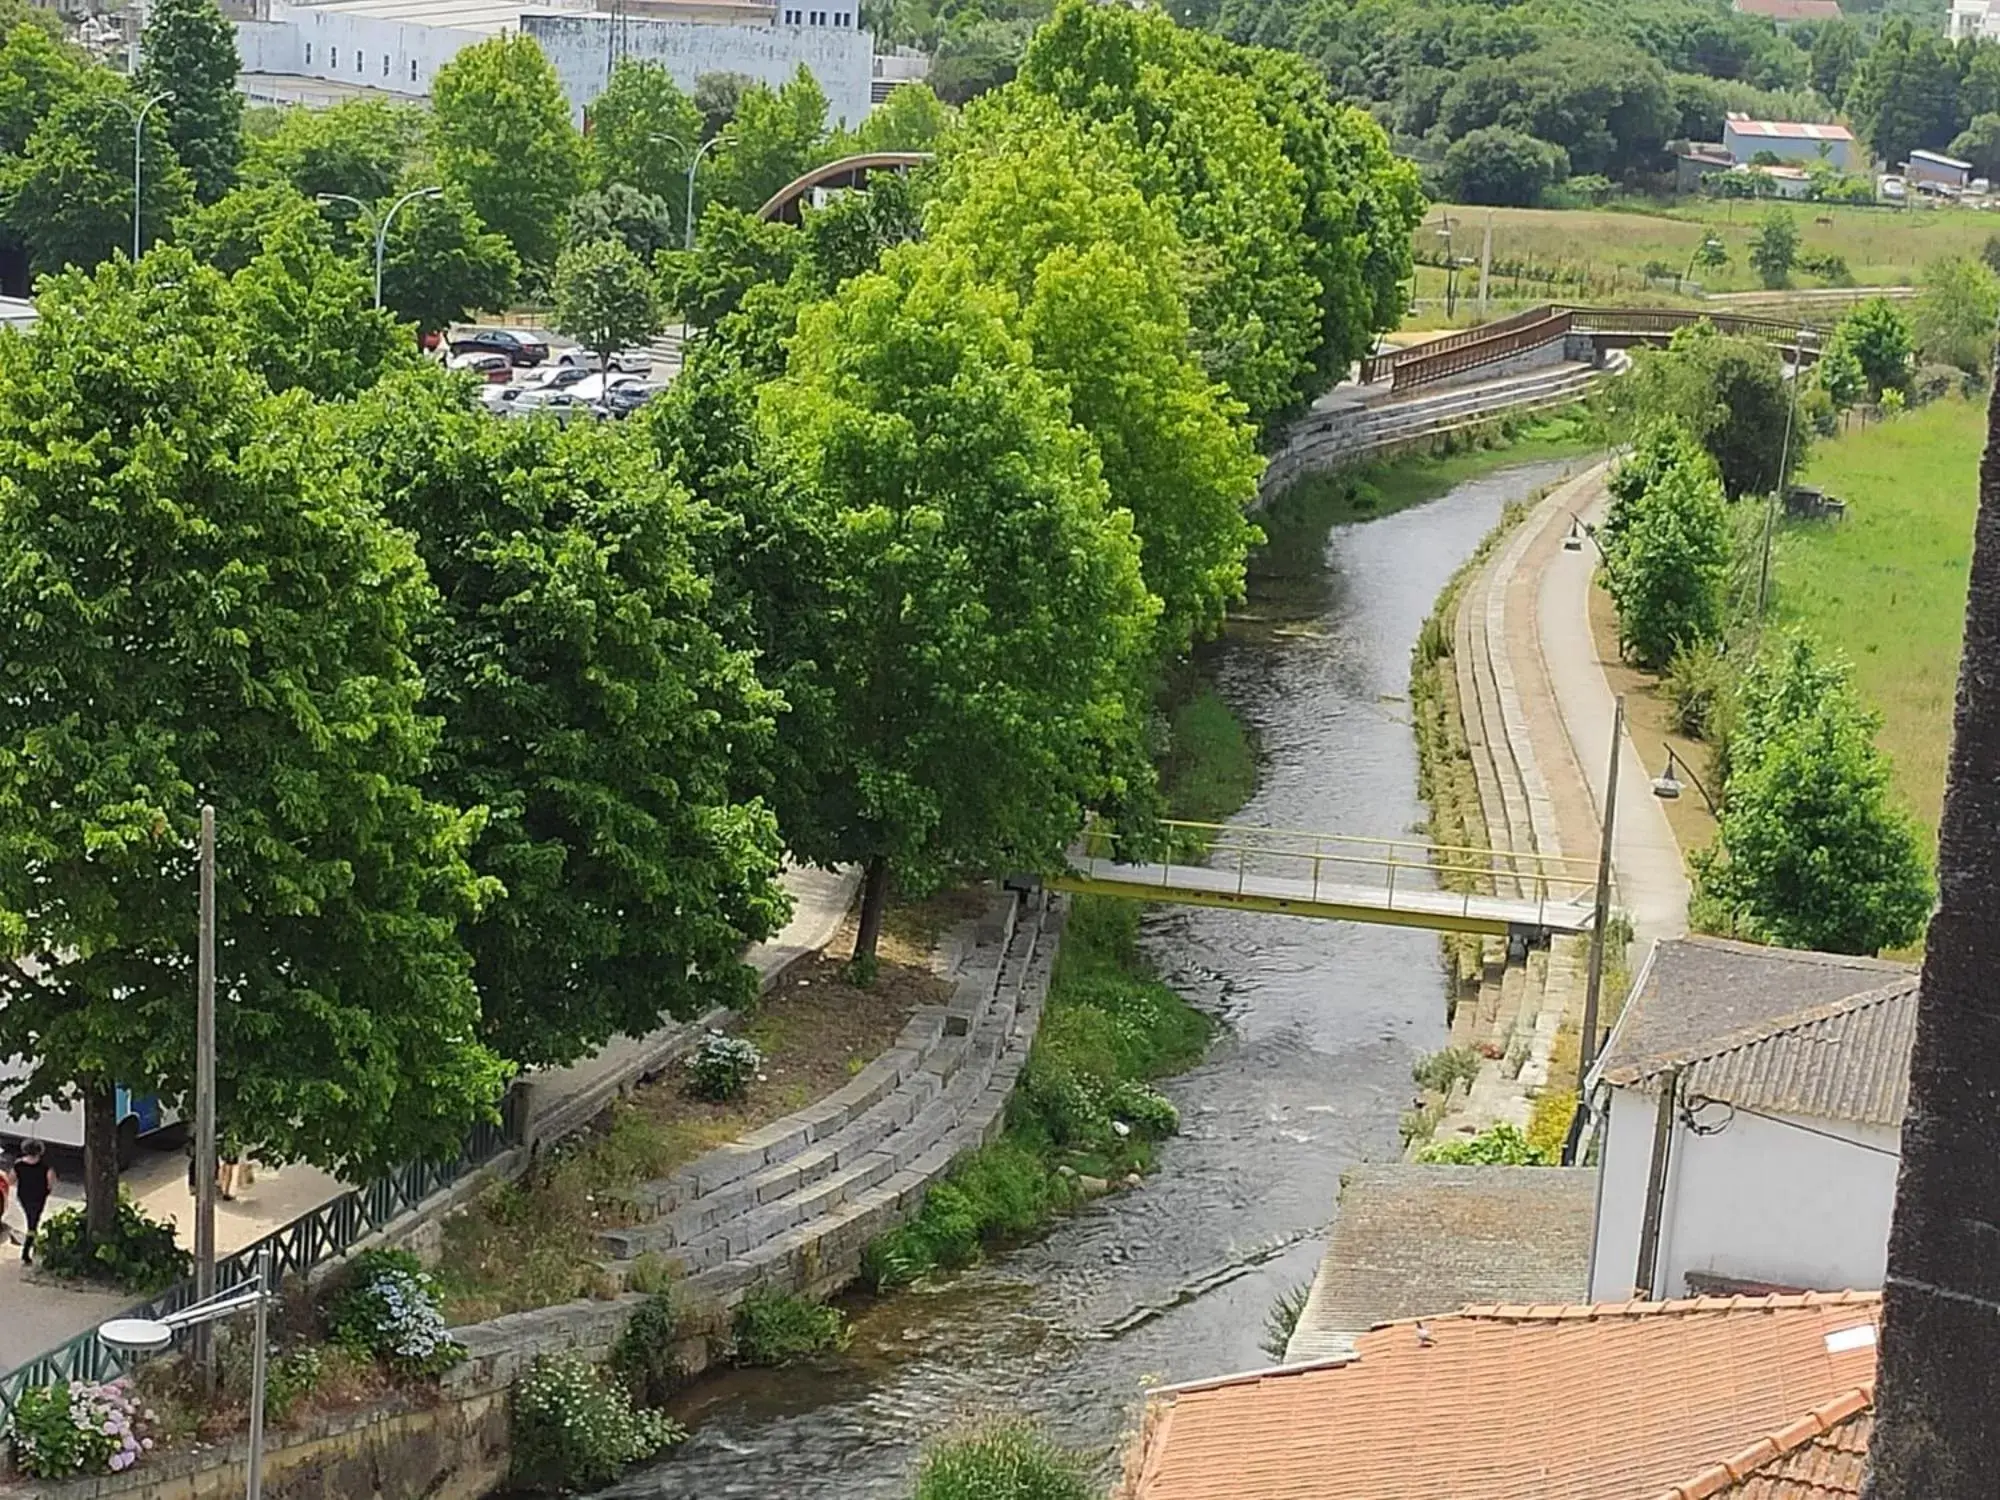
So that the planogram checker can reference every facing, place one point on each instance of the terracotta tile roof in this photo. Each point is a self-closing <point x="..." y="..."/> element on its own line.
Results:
<point x="1822" y="1456"/>
<point x="1616" y="1401"/>
<point x="1791" y="10"/>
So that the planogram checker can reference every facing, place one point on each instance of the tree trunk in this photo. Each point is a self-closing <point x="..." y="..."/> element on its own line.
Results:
<point x="100" y="1159"/>
<point x="1937" y="1421"/>
<point x="874" y="901"/>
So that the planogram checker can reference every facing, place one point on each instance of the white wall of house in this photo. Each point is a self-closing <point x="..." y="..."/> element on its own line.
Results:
<point x="1796" y="151"/>
<point x="841" y="58"/>
<point x="314" y="41"/>
<point x="1797" y="1203"/>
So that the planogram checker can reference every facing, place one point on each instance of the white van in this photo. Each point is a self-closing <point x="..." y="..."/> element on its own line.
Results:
<point x="140" y="1116"/>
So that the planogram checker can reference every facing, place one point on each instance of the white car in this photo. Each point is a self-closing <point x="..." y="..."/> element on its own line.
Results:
<point x="629" y="361"/>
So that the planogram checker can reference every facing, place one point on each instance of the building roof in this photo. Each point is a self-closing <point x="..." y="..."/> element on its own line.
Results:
<point x="1695" y="994"/>
<point x="1411" y="1238"/>
<point x="488" y="16"/>
<point x="1823" y="1461"/>
<point x="1940" y="159"/>
<point x="1786" y="130"/>
<point x="1790" y="10"/>
<point x="1618" y="1401"/>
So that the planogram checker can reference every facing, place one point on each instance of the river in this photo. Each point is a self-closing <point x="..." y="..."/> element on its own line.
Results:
<point x="1321" y="1022"/>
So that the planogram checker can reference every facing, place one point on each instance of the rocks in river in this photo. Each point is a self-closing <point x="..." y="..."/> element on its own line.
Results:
<point x="1133" y="1179"/>
<point x="1093" y="1187"/>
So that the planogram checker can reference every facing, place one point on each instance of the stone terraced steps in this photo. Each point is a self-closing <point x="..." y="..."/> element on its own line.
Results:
<point x="794" y="1202"/>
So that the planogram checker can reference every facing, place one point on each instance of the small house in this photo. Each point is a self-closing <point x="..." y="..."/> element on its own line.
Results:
<point x="1794" y="142"/>
<point x="1935" y="171"/>
<point x="1783" y="13"/>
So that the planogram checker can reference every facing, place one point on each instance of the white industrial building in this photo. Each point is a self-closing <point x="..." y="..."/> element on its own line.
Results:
<point x="1977" y="19"/>
<point x="316" y="54"/>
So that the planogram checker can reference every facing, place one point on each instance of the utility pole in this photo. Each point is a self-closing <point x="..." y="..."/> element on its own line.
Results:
<point x="204" y="1099"/>
<point x="1485" y="264"/>
<point x="1784" y="459"/>
<point x="1587" y="1046"/>
<point x="1656" y="1185"/>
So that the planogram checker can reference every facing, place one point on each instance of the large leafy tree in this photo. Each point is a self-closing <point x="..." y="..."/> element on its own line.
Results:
<point x="200" y="606"/>
<point x="189" y="46"/>
<point x="230" y="233"/>
<point x="306" y="320"/>
<point x="775" y="135"/>
<point x="1667" y="557"/>
<point x="643" y="128"/>
<point x="443" y="264"/>
<point x="982" y="613"/>
<point x="1904" y="93"/>
<point x="590" y="703"/>
<point x="1731" y="393"/>
<point x="1810" y="851"/>
<point x="1954" y="317"/>
<point x="643" y="223"/>
<point x="501" y="132"/>
<point x="1879" y="337"/>
<point x="36" y="70"/>
<point x="605" y="299"/>
<point x="359" y="147"/>
<point x="69" y="194"/>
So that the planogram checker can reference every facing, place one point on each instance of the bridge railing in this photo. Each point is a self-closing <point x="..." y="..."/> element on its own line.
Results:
<point x="1384" y="365"/>
<point x="1340" y="868"/>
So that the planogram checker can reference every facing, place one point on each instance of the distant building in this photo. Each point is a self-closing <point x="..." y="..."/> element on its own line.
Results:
<point x="1696" y="161"/>
<point x="1793" y="141"/>
<point x="1932" y="169"/>
<point x="1785" y="12"/>
<point x="1793" y="183"/>
<point x="1974" y="19"/>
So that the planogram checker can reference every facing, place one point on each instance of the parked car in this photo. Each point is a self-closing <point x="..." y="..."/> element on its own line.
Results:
<point x="557" y="377"/>
<point x="496" y="369"/>
<point x="627" y="361"/>
<point x="563" y="405"/>
<point x="521" y="347"/>
<point x="623" y="400"/>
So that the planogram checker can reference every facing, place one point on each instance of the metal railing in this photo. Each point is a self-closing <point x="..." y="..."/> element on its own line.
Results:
<point x="315" y="1237"/>
<point x="1382" y="366"/>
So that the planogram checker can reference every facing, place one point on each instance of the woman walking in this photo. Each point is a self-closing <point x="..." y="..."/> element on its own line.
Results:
<point x="33" y="1177"/>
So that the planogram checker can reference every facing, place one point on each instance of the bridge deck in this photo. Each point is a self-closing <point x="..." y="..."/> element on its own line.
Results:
<point x="1567" y="910"/>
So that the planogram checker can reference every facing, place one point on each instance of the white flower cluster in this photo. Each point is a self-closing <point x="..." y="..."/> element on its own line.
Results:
<point x="408" y="1325"/>
<point x="722" y="1066"/>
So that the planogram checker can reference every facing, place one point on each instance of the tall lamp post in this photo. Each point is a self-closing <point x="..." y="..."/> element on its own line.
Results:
<point x="700" y="151"/>
<point x="138" y="157"/>
<point x="382" y="224"/>
<point x="150" y="1335"/>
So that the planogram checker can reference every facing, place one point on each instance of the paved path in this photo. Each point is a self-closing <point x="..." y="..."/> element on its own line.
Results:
<point x="35" y="1316"/>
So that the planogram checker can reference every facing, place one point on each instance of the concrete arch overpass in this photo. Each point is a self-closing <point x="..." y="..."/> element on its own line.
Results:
<point x="848" y="172"/>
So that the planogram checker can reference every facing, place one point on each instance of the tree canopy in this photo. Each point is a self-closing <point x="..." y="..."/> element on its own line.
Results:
<point x="188" y="47"/>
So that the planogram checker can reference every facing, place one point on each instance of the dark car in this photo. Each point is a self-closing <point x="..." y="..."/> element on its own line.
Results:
<point x="623" y="400"/>
<point x="524" y="349"/>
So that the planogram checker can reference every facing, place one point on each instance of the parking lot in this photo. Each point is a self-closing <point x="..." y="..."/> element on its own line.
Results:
<point x="527" y="371"/>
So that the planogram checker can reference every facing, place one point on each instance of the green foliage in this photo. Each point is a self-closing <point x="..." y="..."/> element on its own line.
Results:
<point x="1667" y="562"/>
<point x="1496" y="165"/>
<point x="306" y="318"/>
<point x="442" y="264"/>
<point x="1838" y="372"/>
<point x="640" y="103"/>
<point x="576" y="661"/>
<point x="1979" y="143"/>
<point x="77" y="1427"/>
<point x="385" y="1306"/>
<point x="1879" y="337"/>
<point x="778" y="1328"/>
<point x="1000" y="1191"/>
<point x="1904" y="93"/>
<point x="910" y="119"/>
<point x="139" y="1255"/>
<point x="233" y="231"/>
<point x="36" y="71"/>
<point x="359" y="147"/>
<point x="1729" y="393"/>
<point x="1955" y="315"/>
<point x="644" y="1356"/>
<point x="272" y="607"/>
<point x="1810" y="852"/>
<point x="1438" y="1071"/>
<point x="1775" y="250"/>
<point x="604" y="298"/>
<point x="574" y="1430"/>
<point x="1003" y="1461"/>
<point x="641" y="222"/>
<point x="774" y="136"/>
<point x="189" y="46"/>
<point x="1496" y="1146"/>
<point x="1700" y="684"/>
<point x="1282" y="1318"/>
<point x="722" y="1067"/>
<point x="501" y="132"/>
<point x="1211" y="765"/>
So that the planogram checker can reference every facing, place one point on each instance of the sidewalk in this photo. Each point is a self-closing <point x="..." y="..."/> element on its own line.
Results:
<point x="36" y="1316"/>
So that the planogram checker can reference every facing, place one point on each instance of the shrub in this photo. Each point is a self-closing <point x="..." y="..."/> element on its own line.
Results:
<point x="1440" y="1070"/>
<point x="722" y="1067"/>
<point x="644" y="1355"/>
<point x="1670" y="564"/>
<point x="1004" y="1461"/>
<point x="387" y="1308"/>
<point x="1496" y="1146"/>
<point x="775" y="1328"/>
<point x="575" y="1430"/>
<point x="76" y="1427"/>
<point x="1282" y="1318"/>
<point x="1698" y="683"/>
<point x="1933" y="382"/>
<point x="140" y="1256"/>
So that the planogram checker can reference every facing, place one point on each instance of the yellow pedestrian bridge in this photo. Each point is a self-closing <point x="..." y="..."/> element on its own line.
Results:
<point x="1521" y="895"/>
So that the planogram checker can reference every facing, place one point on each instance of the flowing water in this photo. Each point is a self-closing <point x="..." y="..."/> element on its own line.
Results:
<point x="1321" y="1022"/>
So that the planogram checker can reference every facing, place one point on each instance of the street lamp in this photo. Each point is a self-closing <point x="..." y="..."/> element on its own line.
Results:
<point x="700" y="151"/>
<point x="1709" y="242"/>
<point x="1667" y="786"/>
<point x="382" y="224"/>
<point x="150" y="1335"/>
<point x="138" y="145"/>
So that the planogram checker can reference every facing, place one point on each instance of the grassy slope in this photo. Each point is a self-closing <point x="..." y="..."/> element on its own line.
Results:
<point x="1887" y="586"/>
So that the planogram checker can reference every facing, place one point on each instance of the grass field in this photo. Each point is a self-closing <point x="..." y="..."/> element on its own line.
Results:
<point x="1602" y="254"/>
<point x="1887" y="585"/>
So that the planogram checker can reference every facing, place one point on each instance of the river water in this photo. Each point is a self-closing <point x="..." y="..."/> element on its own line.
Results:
<point x="1321" y="1022"/>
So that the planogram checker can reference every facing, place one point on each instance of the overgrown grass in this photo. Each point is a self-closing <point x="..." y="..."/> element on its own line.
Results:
<point x="1081" y="1110"/>
<point x="778" y="1328"/>
<point x="1002" y="1461"/>
<point x="1211" y="765"/>
<point x="1886" y="586"/>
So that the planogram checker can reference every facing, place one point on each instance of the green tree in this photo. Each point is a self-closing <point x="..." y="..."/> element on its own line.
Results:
<point x="1501" y="166"/>
<point x="716" y="96"/>
<point x="1605" y="103"/>
<point x="1837" y="50"/>
<point x="36" y="70"/>
<point x="1669" y="564"/>
<point x="202" y="607"/>
<point x="734" y="253"/>
<point x="985" y="613"/>
<point x="442" y="264"/>
<point x="910" y="119"/>
<point x="1731" y="393"/>
<point x="604" y="298"/>
<point x="1979" y="143"/>
<point x="1904" y="93"/>
<point x="1955" y="314"/>
<point x="590" y="703"/>
<point x="1839" y="373"/>
<point x="230" y="233"/>
<point x="189" y="47"/>
<point x="1880" y="337"/>
<point x="69" y="195"/>
<point x="641" y="222"/>
<point x="359" y="147"/>
<point x="307" y="321"/>
<point x="776" y="134"/>
<point x="1810" y="851"/>
<point x="1775" y="248"/>
<point x="630" y="123"/>
<point x="501" y="132"/>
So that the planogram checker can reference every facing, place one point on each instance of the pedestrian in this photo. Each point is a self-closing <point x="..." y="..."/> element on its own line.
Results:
<point x="6" y="1187"/>
<point x="33" y="1177"/>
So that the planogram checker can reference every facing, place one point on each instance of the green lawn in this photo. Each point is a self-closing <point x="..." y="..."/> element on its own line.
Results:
<point x="1886" y="586"/>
